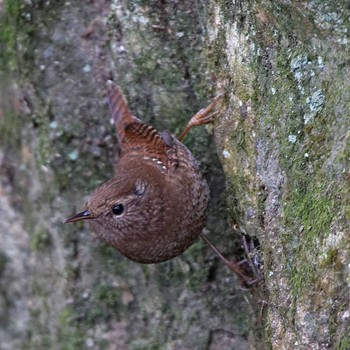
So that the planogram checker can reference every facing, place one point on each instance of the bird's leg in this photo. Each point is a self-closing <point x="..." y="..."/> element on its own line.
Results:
<point x="204" y="116"/>
<point x="248" y="248"/>
<point x="233" y="266"/>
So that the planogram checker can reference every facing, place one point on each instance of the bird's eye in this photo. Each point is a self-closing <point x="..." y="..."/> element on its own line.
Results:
<point x="118" y="209"/>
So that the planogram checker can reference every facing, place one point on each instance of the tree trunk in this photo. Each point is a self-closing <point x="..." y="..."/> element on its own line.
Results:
<point x="278" y="172"/>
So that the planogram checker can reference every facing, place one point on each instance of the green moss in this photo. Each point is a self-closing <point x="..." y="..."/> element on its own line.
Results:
<point x="143" y="344"/>
<point x="18" y="27"/>
<point x="38" y="330"/>
<point x="230" y="11"/>
<point x="8" y="35"/>
<point x="40" y="239"/>
<point x="103" y="302"/>
<point x="9" y="126"/>
<point x="190" y="270"/>
<point x="240" y="186"/>
<point x="331" y="258"/>
<point x="109" y="296"/>
<point x="199" y="269"/>
<point x="217" y="57"/>
<point x="310" y="206"/>
<point x="44" y="150"/>
<point x="69" y="336"/>
<point x="306" y="202"/>
<point x="296" y="109"/>
<point x="268" y="335"/>
<point x="299" y="102"/>
<point x="235" y="200"/>
<point x="35" y="342"/>
<point x="344" y="343"/>
<point x="9" y="122"/>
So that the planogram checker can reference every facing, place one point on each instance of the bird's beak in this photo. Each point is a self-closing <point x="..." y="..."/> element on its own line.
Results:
<point x="84" y="215"/>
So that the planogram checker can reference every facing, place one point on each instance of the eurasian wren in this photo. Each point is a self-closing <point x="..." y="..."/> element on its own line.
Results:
<point x="155" y="206"/>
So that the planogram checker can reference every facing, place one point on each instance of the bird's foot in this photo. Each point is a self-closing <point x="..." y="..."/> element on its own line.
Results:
<point x="204" y="116"/>
<point x="246" y="279"/>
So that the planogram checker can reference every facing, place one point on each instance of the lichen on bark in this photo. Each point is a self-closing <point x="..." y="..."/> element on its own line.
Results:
<point x="74" y="292"/>
<point x="286" y="153"/>
<point x="282" y="139"/>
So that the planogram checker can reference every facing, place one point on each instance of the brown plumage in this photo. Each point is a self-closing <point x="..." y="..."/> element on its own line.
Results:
<point x="155" y="206"/>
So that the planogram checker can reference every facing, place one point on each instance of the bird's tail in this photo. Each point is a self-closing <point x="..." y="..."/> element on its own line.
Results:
<point x="119" y="109"/>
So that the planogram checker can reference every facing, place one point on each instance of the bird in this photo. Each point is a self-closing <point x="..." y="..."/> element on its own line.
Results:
<point x="156" y="204"/>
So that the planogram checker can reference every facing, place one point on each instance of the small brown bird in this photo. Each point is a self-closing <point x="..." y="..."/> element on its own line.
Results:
<point x="155" y="206"/>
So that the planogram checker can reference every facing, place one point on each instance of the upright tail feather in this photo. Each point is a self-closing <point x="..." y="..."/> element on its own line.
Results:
<point x="118" y="109"/>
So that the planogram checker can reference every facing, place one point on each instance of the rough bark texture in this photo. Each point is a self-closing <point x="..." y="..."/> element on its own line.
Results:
<point x="283" y="141"/>
<point x="286" y="155"/>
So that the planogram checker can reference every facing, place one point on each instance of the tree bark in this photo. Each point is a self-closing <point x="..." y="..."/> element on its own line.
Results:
<point x="281" y="154"/>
